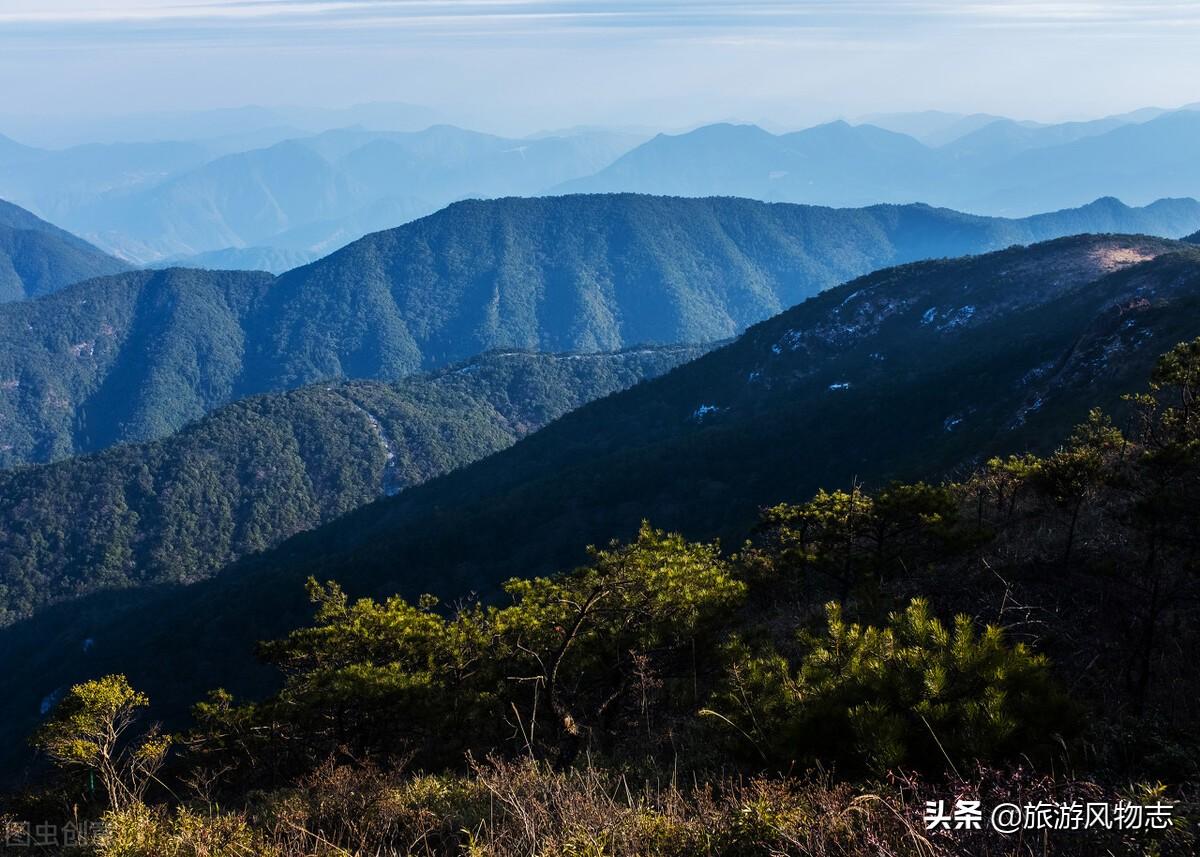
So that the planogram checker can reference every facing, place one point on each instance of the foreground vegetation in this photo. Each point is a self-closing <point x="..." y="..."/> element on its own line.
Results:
<point x="1055" y="330"/>
<point x="521" y="807"/>
<point x="1027" y="633"/>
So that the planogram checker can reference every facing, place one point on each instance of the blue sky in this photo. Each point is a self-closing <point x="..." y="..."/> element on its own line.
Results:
<point x="520" y="66"/>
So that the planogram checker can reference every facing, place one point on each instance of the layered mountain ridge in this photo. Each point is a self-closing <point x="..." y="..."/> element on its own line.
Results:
<point x="905" y="373"/>
<point x="1002" y="168"/>
<point x="154" y="203"/>
<point x="136" y="356"/>
<point x="270" y="196"/>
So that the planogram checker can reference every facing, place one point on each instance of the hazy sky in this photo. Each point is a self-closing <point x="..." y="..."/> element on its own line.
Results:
<point x="520" y="66"/>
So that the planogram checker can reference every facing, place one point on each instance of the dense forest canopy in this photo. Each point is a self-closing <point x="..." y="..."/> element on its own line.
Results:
<point x="1035" y="649"/>
<point x="258" y="471"/>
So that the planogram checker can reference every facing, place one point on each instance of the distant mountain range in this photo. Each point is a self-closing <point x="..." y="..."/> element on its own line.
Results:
<point x="939" y="127"/>
<point x="258" y="471"/>
<point x="257" y="188"/>
<point x="932" y="127"/>
<point x="136" y="356"/>
<point x="223" y="127"/>
<point x="908" y="372"/>
<point x="275" y="259"/>
<point x="1001" y="168"/>
<point x="55" y="183"/>
<point x="37" y="258"/>
<point x="298" y="198"/>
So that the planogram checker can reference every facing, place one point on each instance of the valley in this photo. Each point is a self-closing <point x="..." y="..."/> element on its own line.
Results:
<point x="955" y="360"/>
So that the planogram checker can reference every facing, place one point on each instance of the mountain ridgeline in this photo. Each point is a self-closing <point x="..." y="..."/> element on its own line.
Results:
<point x="912" y="372"/>
<point x="255" y="472"/>
<point x="136" y="356"/>
<point x="959" y="359"/>
<point x="267" y="197"/>
<point x="37" y="258"/>
<point x="303" y="196"/>
<point x="1002" y="167"/>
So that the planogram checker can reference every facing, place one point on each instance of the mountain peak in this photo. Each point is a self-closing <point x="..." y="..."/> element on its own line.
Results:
<point x="1108" y="203"/>
<point x="731" y="131"/>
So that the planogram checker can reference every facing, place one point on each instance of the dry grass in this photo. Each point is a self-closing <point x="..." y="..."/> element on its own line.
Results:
<point x="520" y="808"/>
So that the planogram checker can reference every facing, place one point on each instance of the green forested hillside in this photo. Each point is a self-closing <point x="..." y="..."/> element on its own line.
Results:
<point x="258" y="471"/>
<point x="134" y="357"/>
<point x="37" y="258"/>
<point x="998" y="633"/>
<point x="916" y="371"/>
<point x="816" y="689"/>
<point x="602" y="272"/>
<point x="123" y="358"/>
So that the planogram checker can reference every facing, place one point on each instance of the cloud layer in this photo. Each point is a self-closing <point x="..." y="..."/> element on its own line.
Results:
<point x="532" y="62"/>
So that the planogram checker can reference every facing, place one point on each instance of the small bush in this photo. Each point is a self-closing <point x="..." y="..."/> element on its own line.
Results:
<point x="138" y="830"/>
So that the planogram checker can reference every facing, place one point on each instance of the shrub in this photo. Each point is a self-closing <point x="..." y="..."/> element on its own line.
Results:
<point x="138" y="830"/>
<point x="912" y="694"/>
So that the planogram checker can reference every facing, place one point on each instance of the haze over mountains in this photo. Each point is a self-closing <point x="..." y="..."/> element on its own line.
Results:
<point x="298" y="198"/>
<point x="136" y="356"/>
<point x="225" y="127"/>
<point x="623" y="428"/>
<point x="960" y="359"/>
<point x="1002" y="168"/>
<point x="939" y="127"/>
<point x="250" y="188"/>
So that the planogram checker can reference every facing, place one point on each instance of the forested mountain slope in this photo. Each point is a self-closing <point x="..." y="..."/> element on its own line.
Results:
<point x="124" y="358"/>
<point x="914" y="371"/>
<point x="37" y="258"/>
<point x="134" y="357"/>
<point x="253" y="473"/>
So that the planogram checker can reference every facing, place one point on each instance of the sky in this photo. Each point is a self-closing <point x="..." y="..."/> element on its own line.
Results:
<point x="517" y="66"/>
